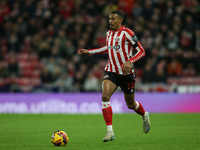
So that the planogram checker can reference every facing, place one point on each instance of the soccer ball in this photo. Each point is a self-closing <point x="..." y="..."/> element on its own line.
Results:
<point x="59" y="138"/>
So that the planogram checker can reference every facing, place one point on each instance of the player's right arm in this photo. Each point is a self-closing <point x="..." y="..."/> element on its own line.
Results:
<point x="83" y="51"/>
<point x="100" y="50"/>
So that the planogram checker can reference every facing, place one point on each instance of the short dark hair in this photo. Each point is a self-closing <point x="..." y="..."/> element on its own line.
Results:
<point x="119" y="13"/>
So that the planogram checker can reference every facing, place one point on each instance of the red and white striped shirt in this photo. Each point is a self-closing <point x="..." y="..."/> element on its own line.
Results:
<point x="119" y="46"/>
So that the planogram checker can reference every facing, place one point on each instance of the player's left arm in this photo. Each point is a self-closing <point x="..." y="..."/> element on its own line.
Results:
<point x="132" y="38"/>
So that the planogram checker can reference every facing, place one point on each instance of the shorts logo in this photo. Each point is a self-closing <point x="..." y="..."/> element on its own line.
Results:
<point x="106" y="76"/>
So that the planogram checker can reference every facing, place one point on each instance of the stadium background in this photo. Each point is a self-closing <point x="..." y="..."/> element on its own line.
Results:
<point x="39" y="41"/>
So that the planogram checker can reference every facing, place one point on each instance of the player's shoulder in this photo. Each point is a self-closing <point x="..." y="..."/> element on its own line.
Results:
<point x="129" y="31"/>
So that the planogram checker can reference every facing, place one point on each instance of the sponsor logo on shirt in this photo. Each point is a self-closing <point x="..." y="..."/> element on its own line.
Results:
<point x="114" y="47"/>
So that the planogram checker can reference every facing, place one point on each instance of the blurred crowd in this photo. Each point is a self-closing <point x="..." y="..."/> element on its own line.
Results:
<point x="39" y="40"/>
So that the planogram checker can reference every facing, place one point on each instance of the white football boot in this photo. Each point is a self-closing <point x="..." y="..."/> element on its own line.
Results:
<point x="109" y="136"/>
<point x="146" y="122"/>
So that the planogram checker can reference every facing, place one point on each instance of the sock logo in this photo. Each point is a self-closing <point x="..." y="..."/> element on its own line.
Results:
<point x="105" y="105"/>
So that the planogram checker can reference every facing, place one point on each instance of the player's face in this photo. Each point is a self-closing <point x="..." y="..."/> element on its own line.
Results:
<point x="115" y="21"/>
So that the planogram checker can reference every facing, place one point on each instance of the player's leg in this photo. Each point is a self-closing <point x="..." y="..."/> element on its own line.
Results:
<point x="138" y="108"/>
<point x="108" y="88"/>
<point x="127" y="85"/>
<point x="132" y="104"/>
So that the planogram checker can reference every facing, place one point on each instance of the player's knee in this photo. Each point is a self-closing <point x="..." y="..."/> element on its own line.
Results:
<point x="105" y="98"/>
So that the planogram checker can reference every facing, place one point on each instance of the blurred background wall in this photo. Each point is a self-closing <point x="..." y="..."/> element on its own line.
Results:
<point x="90" y="103"/>
<point x="39" y="40"/>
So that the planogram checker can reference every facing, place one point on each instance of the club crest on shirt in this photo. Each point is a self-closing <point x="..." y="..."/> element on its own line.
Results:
<point x="117" y="39"/>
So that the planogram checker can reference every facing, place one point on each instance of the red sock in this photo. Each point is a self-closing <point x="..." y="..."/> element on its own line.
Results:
<point x="107" y="112"/>
<point x="139" y="108"/>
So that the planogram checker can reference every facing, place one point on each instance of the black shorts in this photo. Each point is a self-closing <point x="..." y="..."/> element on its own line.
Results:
<point x="126" y="82"/>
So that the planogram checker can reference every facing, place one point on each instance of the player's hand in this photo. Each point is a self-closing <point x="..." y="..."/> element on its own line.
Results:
<point x="83" y="51"/>
<point x="126" y="67"/>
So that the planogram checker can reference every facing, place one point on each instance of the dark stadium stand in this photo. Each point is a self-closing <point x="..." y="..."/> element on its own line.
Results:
<point x="45" y="35"/>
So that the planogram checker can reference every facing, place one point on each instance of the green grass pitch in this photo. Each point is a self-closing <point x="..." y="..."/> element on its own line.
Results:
<point x="33" y="132"/>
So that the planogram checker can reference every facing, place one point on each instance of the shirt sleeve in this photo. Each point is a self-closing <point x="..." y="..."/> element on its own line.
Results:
<point x="132" y="38"/>
<point x="100" y="50"/>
